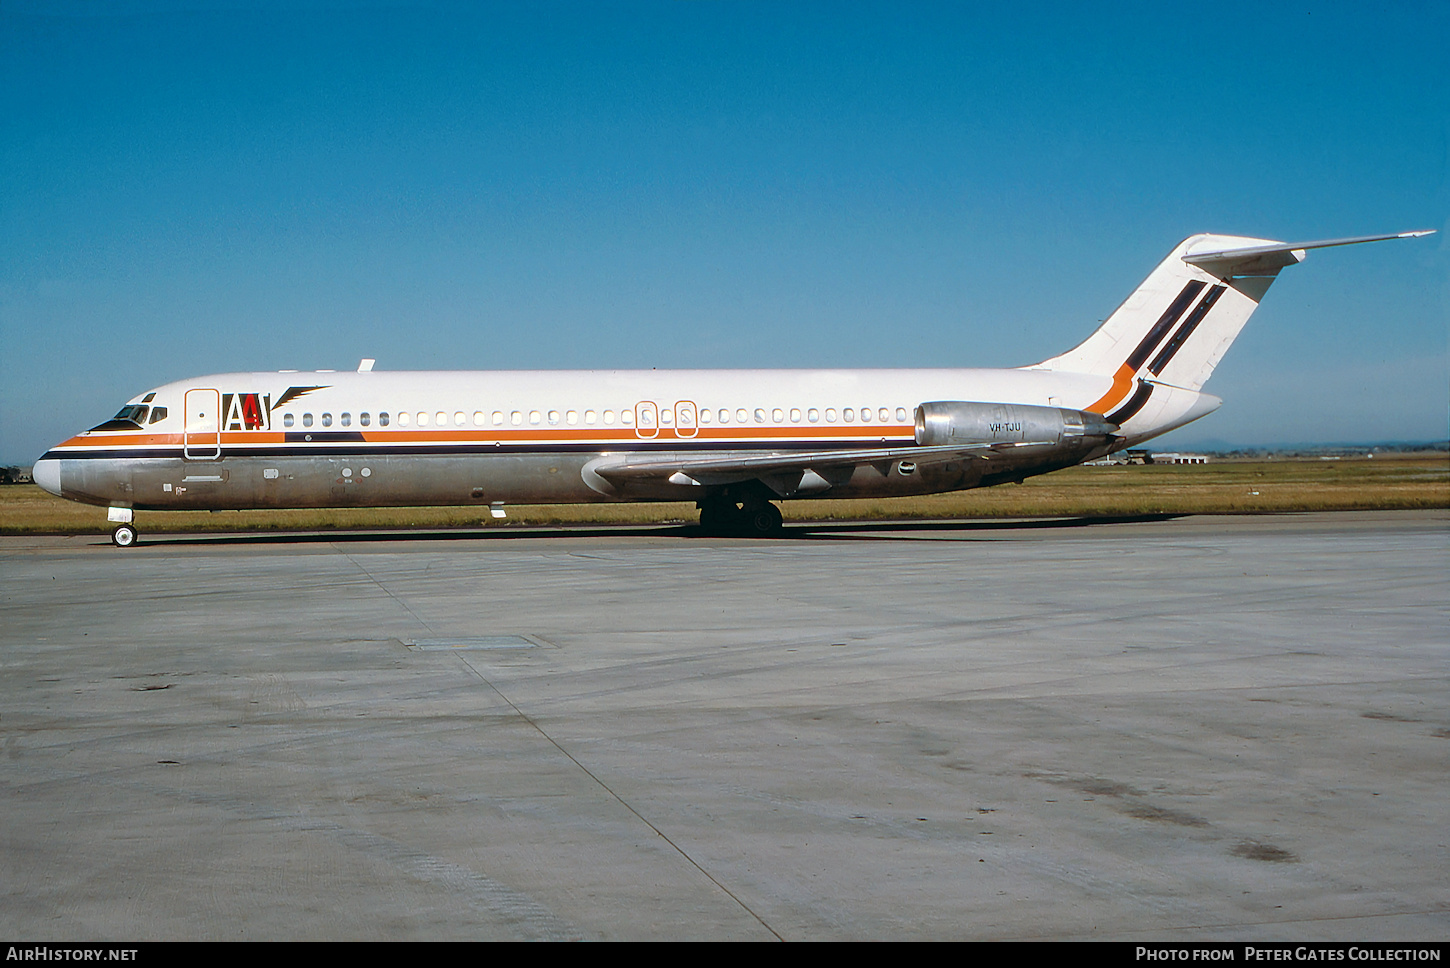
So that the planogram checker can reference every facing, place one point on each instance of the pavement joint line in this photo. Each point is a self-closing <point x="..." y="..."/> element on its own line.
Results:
<point x="515" y="907"/>
<point x="620" y="800"/>
<point x="386" y="591"/>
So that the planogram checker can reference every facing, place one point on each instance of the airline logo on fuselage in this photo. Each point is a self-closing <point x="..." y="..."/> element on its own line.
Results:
<point x="253" y="411"/>
<point x="247" y="411"/>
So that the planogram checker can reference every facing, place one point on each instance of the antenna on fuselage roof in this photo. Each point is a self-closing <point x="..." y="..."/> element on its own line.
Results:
<point x="365" y="365"/>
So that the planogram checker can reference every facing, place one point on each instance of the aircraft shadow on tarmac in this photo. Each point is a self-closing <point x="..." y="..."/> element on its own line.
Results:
<point x="833" y="530"/>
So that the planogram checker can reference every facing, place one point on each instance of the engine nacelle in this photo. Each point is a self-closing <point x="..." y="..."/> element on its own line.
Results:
<point x="961" y="422"/>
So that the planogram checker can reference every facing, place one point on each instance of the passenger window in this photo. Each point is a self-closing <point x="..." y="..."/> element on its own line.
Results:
<point x="571" y="417"/>
<point x="901" y="415"/>
<point x="813" y="415"/>
<point x="590" y="416"/>
<point x="403" y="419"/>
<point x="609" y="416"/>
<point x="830" y="415"/>
<point x="442" y="419"/>
<point x="534" y="417"/>
<point x="795" y="415"/>
<point x="865" y="414"/>
<point x="724" y="416"/>
<point x="848" y="415"/>
<point x="346" y="420"/>
<point x="287" y="420"/>
<point x="704" y="416"/>
<point x="885" y="415"/>
<point x="327" y="420"/>
<point x="459" y="418"/>
<point x="516" y="418"/>
<point x="422" y="418"/>
<point x="626" y="417"/>
<point x="742" y="415"/>
<point x="498" y="418"/>
<point x="777" y="415"/>
<point x="363" y="418"/>
<point x="307" y="420"/>
<point x="553" y="417"/>
<point x="383" y="419"/>
<point x="479" y="419"/>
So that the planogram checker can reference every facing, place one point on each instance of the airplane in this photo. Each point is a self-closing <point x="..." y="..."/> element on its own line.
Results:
<point x="733" y="441"/>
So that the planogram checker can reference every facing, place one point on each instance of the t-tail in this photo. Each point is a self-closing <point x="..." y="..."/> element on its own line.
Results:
<point x="1161" y="345"/>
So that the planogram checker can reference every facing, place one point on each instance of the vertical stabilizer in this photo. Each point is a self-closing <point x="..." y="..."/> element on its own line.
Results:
<point x="1175" y="328"/>
<point x="1178" y="324"/>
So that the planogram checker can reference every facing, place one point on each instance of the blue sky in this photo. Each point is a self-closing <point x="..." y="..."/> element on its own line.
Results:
<point x="191" y="188"/>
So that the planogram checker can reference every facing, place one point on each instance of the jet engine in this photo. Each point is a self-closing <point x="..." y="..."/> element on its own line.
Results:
<point x="961" y="422"/>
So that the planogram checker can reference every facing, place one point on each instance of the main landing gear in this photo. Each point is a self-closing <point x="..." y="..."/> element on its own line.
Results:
<point x="752" y="517"/>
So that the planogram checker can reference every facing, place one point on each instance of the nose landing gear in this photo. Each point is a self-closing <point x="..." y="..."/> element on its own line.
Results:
<point x="124" y="536"/>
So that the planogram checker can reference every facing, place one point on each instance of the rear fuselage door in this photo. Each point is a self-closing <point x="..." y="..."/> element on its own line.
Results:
<point x="685" y="419"/>
<point x="202" y="436"/>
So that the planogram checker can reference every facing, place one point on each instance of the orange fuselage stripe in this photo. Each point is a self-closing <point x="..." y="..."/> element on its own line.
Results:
<point x="603" y="437"/>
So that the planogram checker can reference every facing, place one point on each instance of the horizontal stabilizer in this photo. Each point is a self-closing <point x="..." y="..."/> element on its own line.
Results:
<point x="1268" y="259"/>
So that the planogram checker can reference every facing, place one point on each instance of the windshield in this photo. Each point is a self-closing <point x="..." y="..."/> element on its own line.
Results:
<point x="136" y="414"/>
<point x="128" y="418"/>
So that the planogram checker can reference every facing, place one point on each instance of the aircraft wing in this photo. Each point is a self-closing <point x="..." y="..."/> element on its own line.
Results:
<point x="788" y="472"/>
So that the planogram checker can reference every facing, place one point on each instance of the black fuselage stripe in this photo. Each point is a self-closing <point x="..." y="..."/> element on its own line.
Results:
<point x="1127" y="410"/>
<point x="1165" y="323"/>
<point x="324" y="436"/>
<point x="1186" y="330"/>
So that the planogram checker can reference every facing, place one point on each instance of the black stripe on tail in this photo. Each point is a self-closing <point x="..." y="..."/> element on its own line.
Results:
<point x="1134" y="404"/>
<point x="1165" y="323"/>
<point x="1186" y="330"/>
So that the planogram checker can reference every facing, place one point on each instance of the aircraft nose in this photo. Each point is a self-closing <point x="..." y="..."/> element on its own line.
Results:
<point x="46" y="473"/>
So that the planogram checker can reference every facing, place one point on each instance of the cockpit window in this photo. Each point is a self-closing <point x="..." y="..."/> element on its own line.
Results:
<point x="136" y="414"/>
<point x="158" y="413"/>
<point x="129" y="418"/>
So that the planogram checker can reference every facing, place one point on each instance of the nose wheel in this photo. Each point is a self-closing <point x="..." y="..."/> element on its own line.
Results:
<point x="124" y="536"/>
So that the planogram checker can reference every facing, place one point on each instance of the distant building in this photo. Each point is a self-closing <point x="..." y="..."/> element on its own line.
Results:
<point x="1148" y="457"/>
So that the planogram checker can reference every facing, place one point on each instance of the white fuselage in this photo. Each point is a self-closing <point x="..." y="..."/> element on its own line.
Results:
<point x="328" y="438"/>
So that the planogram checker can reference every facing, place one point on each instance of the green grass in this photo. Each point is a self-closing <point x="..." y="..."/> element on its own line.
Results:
<point x="1225" y="487"/>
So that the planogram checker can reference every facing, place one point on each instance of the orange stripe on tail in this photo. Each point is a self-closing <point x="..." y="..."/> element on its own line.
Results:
<point x="1122" y="382"/>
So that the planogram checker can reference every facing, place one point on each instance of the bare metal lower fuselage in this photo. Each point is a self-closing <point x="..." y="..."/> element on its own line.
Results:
<point x="359" y="481"/>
